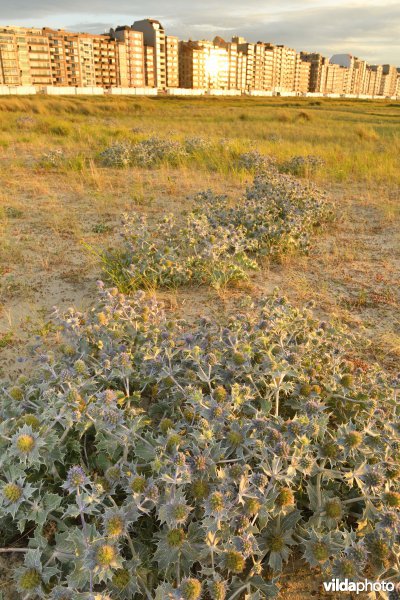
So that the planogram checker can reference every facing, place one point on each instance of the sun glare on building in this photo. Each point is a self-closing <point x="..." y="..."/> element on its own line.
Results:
<point x="212" y="65"/>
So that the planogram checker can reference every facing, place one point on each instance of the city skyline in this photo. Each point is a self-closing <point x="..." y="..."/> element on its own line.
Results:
<point x="368" y="29"/>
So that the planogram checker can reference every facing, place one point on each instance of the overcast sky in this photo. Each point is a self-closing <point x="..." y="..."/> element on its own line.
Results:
<point x="369" y="29"/>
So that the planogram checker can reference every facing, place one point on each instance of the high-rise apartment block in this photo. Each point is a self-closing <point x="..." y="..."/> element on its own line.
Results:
<point x="373" y="79"/>
<point x="389" y="80"/>
<point x="154" y="37"/>
<point x="130" y="46"/>
<point x="142" y="55"/>
<point x="204" y="65"/>
<point x="10" y="70"/>
<point x="172" y="61"/>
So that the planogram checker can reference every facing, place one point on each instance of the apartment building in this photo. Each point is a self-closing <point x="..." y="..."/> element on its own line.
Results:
<point x="302" y="75"/>
<point x="316" y="62"/>
<point x="106" y="66"/>
<point x="24" y="57"/>
<point x="358" y="76"/>
<point x="285" y="60"/>
<point x="64" y="57"/>
<point x="130" y="45"/>
<point x="231" y="49"/>
<point x="388" y="81"/>
<point x="39" y="57"/>
<point x="155" y="38"/>
<point x="9" y="65"/>
<point x="149" y="67"/>
<point x="87" y="60"/>
<point x="172" y="60"/>
<point x="373" y="79"/>
<point x="246" y="73"/>
<point x="356" y="72"/>
<point x="204" y="65"/>
<point x="143" y="55"/>
<point x="334" y="78"/>
<point x="192" y="65"/>
<point x="269" y="59"/>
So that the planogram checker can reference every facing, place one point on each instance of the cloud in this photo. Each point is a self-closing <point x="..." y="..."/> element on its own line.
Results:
<point x="369" y="29"/>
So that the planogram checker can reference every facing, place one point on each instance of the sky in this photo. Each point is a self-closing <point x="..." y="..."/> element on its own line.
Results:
<point x="369" y="29"/>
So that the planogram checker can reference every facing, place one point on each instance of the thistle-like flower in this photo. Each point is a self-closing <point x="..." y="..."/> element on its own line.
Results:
<point x="217" y="589"/>
<point x="26" y="444"/>
<point x="234" y="561"/>
<point x="175" y="512"/>
<point x="13" y="494"/>
<point x="104" y="558"/>
<point x="115" y="523"/>
<point x="76" y="480"/>
<point x="190" y="589"/>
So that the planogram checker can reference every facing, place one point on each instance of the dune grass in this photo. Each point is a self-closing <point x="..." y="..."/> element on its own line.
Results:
<point x="358" y="140"/>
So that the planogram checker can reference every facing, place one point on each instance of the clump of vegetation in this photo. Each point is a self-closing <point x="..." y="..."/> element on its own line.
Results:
<point x="153" y="151"/>
<point x="367" y="134"/>
<point x="26" y="122"/>
<point x="303" y="165"/>
<point x="153" y="459"/>
<point x="11" y="212"/>
<point x="256" y="162"/>
<point x="304" y="116"/>
<point x="273" y="137"/>
<point x="118" y="155"/>
<point x="218" y="243"/>
<point x="52" y="158"/>
<point x="147" y="153"/>
<point x="197" y="144"/>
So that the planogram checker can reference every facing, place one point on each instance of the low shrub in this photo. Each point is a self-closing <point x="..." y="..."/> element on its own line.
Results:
<point x="26" y="122"/>
<point x="152" y="459"/>
<point x="52" y="158"/>
<point x="118" y="155"/>
<point x="147" y="153"/>
<point x="218" y="243"/>
<point x="303" y="165"/>
<point x="155" y="150"/>
<point x="170" y="254"/>
<point x="256" y="162"/>
<point x="196" y="144"/>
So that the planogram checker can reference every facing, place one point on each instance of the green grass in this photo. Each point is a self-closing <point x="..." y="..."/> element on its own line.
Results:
<point x="348" y="134"/>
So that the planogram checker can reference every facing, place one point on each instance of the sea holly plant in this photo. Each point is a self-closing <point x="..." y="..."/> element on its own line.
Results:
<point x="147" y="153"/>
<point x="219" y="243"/>
<point x="147" y="458"/>
<point x="303" y="165"/>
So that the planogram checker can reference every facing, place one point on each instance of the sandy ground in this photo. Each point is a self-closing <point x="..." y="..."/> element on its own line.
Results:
<point x="352" y="272"/>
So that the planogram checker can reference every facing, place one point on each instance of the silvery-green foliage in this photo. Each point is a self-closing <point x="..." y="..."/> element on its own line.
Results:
<point x="197" y="144"/>
<point x="150" y="458"/>
<point x="219" y="242"/>
<point x="146" y="153"/>
<point x="153" y="151"/>
<point x="303" y="165"/>
<point x="52" y="158"/>
<point x="256" y="162"/>
<point x="117" y="155"/>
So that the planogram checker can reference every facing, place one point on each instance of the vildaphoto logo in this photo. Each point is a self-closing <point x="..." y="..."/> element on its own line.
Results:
<point x="337" y="585"/>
